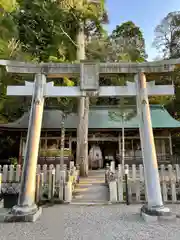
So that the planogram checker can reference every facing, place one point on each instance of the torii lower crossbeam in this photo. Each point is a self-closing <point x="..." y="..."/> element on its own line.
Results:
<point x="55" y="91"/>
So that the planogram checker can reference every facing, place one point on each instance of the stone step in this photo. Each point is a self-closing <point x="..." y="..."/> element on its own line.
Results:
<point x="91" y="193"/>
<point x="76" y="190"/>
<point x="91" y="182"/>
<point x="91" y="189"/>
<point x="89" y="203"/>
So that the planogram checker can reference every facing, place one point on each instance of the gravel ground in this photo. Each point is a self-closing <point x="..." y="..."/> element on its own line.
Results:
<point x="74" y="222"/>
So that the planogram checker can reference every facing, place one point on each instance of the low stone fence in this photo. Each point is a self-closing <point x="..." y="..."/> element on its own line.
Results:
<point x="169" y="179"/>
<point x="52" y="183"/>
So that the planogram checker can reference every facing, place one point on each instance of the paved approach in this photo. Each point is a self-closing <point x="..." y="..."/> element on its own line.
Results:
<point x="92" y="189"/>
<point x="74" y="222"/>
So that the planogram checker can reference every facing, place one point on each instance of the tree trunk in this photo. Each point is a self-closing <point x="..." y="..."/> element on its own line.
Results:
<point x="62" y="141"/>
<point x="123" y="145"/>
<point x="81" y="104"/>
<point x="86" y="123"/>
<point x="83" y="113"/>
<point x="82" y="136"/>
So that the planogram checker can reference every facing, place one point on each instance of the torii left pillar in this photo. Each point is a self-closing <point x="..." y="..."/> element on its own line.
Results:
<point x="26" y="209"/>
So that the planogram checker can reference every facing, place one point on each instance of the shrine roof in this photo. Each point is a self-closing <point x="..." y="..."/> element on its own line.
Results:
<point x="99" y="118"/>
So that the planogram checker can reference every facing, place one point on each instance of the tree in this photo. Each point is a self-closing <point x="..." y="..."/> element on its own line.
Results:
<point x="125" y="43"/>
<point x="167" y="36"/>
<point x="7" y="6"/>
<point x="10" y="48"/>
<point x="48" y="29"/>
<point x="128" y="39"/>
<point x="125" y="113"/>
<point x="40" y="25"/>
<point x="167" y="41"/>
<point x="97" y="48"/>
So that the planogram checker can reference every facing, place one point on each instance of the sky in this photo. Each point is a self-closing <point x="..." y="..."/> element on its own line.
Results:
<point x="146" y="14"/>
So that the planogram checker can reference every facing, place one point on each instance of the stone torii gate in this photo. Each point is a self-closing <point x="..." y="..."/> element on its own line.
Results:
<point x="26" y="210"/>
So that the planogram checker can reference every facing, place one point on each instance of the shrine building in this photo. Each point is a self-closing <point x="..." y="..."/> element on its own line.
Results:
<point x="105" y="134"/>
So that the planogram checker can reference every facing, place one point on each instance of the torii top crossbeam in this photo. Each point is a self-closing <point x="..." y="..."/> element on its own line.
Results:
<point x="65" y="69"/>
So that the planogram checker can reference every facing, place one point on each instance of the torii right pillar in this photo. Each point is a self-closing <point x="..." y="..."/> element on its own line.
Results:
<point x="154" y="209"/>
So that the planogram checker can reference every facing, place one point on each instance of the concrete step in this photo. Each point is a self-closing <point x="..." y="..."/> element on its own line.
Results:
<point x="89" y="203"/>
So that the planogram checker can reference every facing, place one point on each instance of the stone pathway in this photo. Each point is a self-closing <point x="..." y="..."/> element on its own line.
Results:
<point x="92" y="189"/>
<point x="76" y="222"/>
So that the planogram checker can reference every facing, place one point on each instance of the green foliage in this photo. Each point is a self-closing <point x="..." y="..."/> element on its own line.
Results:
<point x="54" y="153"/>
<point x="127" y="39"/>
<point x="125" y="43"/>
<point x="48" y="30"/>
<point x="13" y="161"/>
<point x="10" y="48"/>
<point x="39" y="25"/>
<point x="167" y="41"/>
<point x="8" y="6"/>
<point x="126" y="111"/>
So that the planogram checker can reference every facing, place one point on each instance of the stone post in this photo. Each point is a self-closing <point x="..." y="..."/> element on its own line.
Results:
<point x="155" y="205"/>
<point x="26" y="207"/>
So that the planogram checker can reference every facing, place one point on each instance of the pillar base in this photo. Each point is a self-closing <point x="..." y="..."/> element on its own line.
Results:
<point x="151" y="214"/>
<point x="22" y="214"/>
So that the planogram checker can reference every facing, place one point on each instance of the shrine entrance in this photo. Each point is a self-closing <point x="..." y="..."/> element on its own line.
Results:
<point x="89" y="87"/>
<point x="95" y="157"/>
<point x="102" y="152"/>
<point x="106" y="150"/>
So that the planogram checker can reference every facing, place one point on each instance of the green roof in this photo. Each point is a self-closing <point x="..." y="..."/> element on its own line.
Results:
<point x="99" y="118"/>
